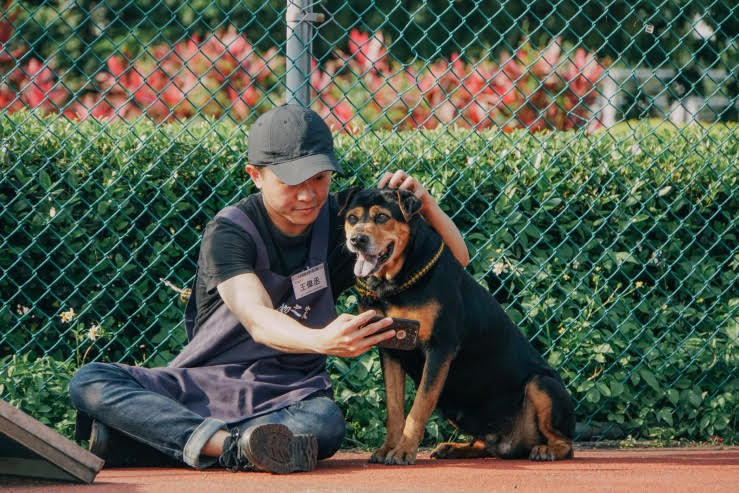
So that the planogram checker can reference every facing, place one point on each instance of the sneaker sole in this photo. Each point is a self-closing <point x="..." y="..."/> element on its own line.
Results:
<point x="273" y="448"/>
<point x="99" y="439"/>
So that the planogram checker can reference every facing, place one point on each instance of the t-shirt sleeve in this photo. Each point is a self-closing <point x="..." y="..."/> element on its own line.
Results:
<point x="226" y="251"/>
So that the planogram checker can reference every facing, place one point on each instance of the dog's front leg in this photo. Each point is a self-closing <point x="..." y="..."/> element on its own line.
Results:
<point x="394" y="377"/>
<point x="427" y="395"/>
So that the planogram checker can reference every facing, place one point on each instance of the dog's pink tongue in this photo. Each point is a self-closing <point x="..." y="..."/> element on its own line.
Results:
<point x="364" y="265"/>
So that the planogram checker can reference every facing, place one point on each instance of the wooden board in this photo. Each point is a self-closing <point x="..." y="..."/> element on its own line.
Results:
<point x="30" y="448"/>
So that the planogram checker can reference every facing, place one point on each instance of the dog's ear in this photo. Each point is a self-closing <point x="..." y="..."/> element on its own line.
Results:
<point x="409" y="204"/>
<point x="344" y="197"/>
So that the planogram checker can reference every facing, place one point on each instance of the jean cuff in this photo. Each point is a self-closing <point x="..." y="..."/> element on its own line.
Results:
<point x="191" y="454"/>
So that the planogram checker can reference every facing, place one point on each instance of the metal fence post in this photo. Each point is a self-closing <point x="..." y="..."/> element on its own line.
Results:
<point x="300" y="18"/>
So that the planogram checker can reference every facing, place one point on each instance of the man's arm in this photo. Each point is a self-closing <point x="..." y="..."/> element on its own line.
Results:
<point x="436" y="217"/>
<point x="347" y="336"/>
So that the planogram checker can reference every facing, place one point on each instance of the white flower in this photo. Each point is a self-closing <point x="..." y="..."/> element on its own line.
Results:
<point x="94" y="332"/>
<point x="68" y="316"/>
<point x="52" y="212"/>
<point x="498" y="268"/>
<point x="21" y="310"/>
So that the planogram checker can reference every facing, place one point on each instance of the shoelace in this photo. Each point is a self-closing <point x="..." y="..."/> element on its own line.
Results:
<point x="230" y="455"/>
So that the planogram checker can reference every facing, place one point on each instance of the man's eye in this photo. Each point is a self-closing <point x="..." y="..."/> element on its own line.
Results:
<point x="382" y="218"/>
<point x="352" y="219"/>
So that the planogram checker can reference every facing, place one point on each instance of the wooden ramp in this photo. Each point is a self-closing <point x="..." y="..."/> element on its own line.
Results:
<point x="30" y="448"/>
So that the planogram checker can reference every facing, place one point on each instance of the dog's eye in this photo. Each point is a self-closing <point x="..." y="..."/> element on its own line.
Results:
<point x="382" y="218"/>
<point x="352" y="219"/>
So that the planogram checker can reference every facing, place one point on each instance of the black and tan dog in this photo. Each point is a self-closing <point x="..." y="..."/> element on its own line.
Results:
<point x="471" y="362"/>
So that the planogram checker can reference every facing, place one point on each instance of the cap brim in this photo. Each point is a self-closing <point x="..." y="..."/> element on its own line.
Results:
<point x="298" y="170"/>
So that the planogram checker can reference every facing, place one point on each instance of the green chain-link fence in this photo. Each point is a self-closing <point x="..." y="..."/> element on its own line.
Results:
<point x="586" y="150"/>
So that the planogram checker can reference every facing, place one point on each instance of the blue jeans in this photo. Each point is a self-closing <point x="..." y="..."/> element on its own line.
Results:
<point x="112" y="396"/>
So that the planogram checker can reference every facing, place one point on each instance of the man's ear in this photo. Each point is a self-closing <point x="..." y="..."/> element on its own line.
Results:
<point x="344" y="197"/>
<point x="255" y="174"/>
<point x="409" y="204"/>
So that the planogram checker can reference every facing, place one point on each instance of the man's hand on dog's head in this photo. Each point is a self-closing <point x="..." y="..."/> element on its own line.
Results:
<point x="401" y="180"/>
<point x="348" y="336"/>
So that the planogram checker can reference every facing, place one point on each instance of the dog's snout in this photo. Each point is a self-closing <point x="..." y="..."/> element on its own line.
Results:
<point x="359" y="241"/>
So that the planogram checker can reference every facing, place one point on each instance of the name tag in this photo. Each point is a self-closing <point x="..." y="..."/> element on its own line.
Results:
<point x="309" y="281"/>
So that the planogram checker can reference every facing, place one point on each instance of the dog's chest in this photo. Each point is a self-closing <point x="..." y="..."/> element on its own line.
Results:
<point x="426" y="315"/>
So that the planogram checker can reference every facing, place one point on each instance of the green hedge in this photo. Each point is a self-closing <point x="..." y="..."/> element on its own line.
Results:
<point x="39" y="387"/>
<point x="615" y="252"/>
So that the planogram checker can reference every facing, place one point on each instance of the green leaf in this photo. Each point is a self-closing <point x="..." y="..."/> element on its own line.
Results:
<point x="694" y="398"/>
<point x="44" y="179"/>
<point x="551" y="204"/>
<point x="616" y="388"/>
<point x="649" y="378"/>
<point x="674" y="396"/>
<point x="593" y="396"/>
<point x="604" y="389"/>
<point x="665" y="415"/>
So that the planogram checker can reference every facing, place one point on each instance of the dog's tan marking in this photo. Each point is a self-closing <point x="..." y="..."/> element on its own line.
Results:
<point x="425" y="314"/>
<point x="399" y="232"/>
<point x="357" y="211"/>
<point x="452" y="450"/>
<point x="374" y="210"/>
<point x="557" y="446"/>
<point x="521" y="438"/>
<point x="395" y="396"/>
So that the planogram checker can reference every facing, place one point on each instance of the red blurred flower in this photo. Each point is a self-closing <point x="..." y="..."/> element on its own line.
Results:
<point x="369" y="53"/>
<point x="38" y="89"/>
<point x="582" y="73"/>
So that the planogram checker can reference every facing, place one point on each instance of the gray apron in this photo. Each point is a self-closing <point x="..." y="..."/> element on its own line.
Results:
<point x="222" y="372"/>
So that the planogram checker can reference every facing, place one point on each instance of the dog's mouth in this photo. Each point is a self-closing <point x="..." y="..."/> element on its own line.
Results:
<point x="369" y="264"/>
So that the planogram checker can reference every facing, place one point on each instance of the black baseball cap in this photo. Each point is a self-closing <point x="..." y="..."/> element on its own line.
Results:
<point x="294" y="142"/>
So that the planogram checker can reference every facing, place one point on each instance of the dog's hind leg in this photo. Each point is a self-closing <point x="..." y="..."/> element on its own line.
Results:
<point x="450" y="450"/>
<point x="394" y="377"/>
<point x="555" y="418"/>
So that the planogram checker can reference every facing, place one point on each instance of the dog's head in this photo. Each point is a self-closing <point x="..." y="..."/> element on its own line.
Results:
<point x="377" y="226"/>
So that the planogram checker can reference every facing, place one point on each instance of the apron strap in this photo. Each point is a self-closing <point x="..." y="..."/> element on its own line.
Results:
<point x="239" y="217"/>
<point x="319" y="238"/>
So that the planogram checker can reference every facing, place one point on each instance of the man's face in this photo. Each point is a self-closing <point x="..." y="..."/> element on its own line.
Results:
<point x="292" y="208"/>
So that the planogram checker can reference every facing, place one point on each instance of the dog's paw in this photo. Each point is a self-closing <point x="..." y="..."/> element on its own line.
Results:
<point x="557" y="451"/>
<point x="379" y="455"/>
<point x="541" y="453"/>
<point x="451" y="450"/>
<point x="443" y="451"/>
<point x="402" y="455"/>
